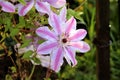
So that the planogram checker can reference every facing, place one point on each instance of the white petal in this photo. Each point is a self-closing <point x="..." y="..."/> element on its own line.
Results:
<point x="23" y="10"/>
<point x="57" y="59"/>
<point x="7" y="6"/>
<point x="63" y="13"/>
<point x="45" y="61"/>
<point x="76" y="35"/>
<point x="55" y="22"/>
<point x="51" y="1"/>
<point x="70" y="24"/>
<point x="70" y="53"/>
<point x="59" y="3"/>
<point x="80" y="46"/>
<point x="42" y="7"/>
<point x="46" y="47"/>
<point x="45" y="33"/>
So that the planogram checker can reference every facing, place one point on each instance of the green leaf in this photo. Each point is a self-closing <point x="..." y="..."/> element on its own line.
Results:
<point x="14" y="32"/>
<point x="74" y="13"/>
<point x="13" y="69"/>
<point x="21" y="22"/>
<point x="22" y="2"/>
<point x="35" y="60"/>
<point x="27" y="55"/>
<point x="26" y="42"/>
<point x="8" y="24"/>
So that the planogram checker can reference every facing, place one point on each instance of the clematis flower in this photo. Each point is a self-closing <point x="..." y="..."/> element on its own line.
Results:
<point x="7" y="6"/>
<point x="62" y="41"/>
<point x="42" y="6"/>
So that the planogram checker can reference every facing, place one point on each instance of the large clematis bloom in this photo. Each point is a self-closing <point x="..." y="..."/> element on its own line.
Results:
<point x="42" y="6"/>
<point x="62" y="41"/>
<point x="7" y="6"/>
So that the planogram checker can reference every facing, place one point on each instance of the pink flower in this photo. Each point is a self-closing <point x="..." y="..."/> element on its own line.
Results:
<point x="7" y="6"/>
<point x="62" y="41"/>
<point x="56" y="3"/>
<point x="42" y="6"/>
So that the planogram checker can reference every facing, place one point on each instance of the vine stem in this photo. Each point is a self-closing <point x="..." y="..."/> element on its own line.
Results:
<point x="33" y="69"/>
<point x="80" y="5"/>
<point x="48" y="74"/>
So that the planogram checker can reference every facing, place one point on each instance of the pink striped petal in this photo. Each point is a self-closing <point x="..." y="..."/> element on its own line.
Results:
<point x="46" y="47"/>
<point x="70" y="24"/>
<point x="7" y="6"/>
<point x="77" y="34"/>
<point x="70" y="53"/>
<point x="23" y="10"/>
<point x="55" y="22"/>
<point x="51" y="1"/>
<point x="59" y="3"/>
<point x="42" y="7"/>
<point x="80" y="46"/>
<point x="63" y="13"/>
<point x="45" y="60"/>
<point x="57" y="59"/>
<point x="45" y="33"/>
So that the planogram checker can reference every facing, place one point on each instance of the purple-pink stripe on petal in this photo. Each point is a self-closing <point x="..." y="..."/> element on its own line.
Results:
<point x="63" y="13"/>
<point x="71" y="23"/>
<point x="45" y="32"/>
<point x="57" y="23"/>
<point x="71" y="56"/>
<point x="24" y="9"/>
<point x="51" y="1"/>
<point x="76" y="44"/>
<point x="79" y="34"/>
<point x="86" y="47"/>
<point x="59" y="3"/>
<point x="22" y="12"/>
<point x="40" y="4"/>
<point x="57" y="59"/>
<point x="47" y="47"/>
<point x="81" y="46"/>
<point x="8" y="7"/>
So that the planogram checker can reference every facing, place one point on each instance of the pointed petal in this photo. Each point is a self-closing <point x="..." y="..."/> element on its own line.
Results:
<point x="63" y="13"/>
<point x="57" y="59"/>
<point x="80" y="46"/>
<point x="54" y="22"/>
<point x="46" y="47"/>
<point x="7" y="6"/>
<point x="45" y="33"/>
<point x="59" y="3"/>
<point x="70" y="24"/>
<point x="42" y="7"/>
<point x="78" y="34"/>
<point x="70" y="53"/>
<point x="45" y="60"/>
<point x="23" y="10"/>
<point x="67" y="59"/>
<point x="51" y="1"/>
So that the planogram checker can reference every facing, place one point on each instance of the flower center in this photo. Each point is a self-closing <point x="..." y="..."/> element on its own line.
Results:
<point x="64" y="40"/>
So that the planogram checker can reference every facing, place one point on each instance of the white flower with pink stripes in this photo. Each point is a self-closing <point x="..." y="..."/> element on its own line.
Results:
<point x="62" y="40"/>
<point x="42" y="6"/>
<point x="7" y="6"/>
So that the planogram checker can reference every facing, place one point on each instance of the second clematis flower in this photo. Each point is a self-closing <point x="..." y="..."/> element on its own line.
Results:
<point x="42" y="6"/>
<point x="62" y="41"/>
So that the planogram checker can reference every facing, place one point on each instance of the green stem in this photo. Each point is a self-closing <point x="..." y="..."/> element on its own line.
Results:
<point x="33" y="68"/>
